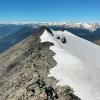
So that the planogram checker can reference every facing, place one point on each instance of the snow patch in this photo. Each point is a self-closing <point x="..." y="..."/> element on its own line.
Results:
<point x="78" y="64"/>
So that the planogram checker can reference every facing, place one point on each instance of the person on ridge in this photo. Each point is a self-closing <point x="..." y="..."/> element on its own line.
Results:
<point x="49" y="90"/>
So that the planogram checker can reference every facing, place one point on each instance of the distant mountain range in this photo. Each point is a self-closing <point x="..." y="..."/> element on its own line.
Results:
<point x="12" y="33"/>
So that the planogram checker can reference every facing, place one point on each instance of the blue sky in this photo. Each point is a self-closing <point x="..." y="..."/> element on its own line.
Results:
<point x="50" y="10"/>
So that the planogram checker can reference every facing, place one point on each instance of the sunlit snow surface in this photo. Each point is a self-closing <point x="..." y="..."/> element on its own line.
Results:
<point x="78" y="64"/>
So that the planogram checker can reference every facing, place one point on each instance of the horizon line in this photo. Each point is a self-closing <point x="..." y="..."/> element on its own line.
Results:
<point x="31" y="21"/>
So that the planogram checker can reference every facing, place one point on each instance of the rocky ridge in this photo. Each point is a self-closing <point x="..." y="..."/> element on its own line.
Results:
<point x="22" y="65"/>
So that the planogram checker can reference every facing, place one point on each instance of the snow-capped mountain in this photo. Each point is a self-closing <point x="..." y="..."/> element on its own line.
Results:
<point x="15" y="22"/>
<point x="69" y="59"/>
<point x="87" y="31"/>
<point x="89" y="26"/>
<point x="78" y="63"/>
<point x="23" y="65"/>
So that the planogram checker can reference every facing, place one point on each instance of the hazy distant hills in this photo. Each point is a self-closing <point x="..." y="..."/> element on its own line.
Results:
<point x="18" y="33"/>
<point x="8" y="29"/>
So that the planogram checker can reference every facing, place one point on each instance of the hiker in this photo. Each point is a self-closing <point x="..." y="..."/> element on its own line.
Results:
<point x="49" y="92"/>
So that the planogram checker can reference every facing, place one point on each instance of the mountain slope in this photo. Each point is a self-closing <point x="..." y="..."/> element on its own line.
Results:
<point x="23" y="64"/>
<point x="12" y="33"/>
<point x="18" y="35"/>
<point x="6" y="29"/>
<point x="78" y="63"/>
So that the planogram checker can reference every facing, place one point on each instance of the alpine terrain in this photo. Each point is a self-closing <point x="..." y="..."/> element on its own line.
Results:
<point x="67" y="62"/>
